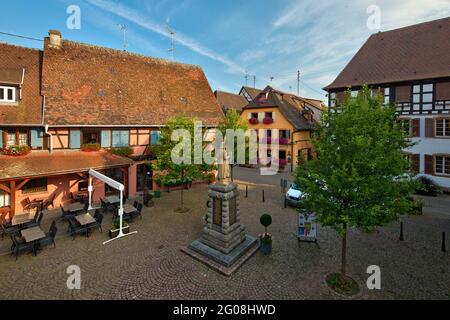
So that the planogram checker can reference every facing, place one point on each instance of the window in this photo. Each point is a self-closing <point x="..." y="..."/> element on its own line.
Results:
<point x="442" y="165"/>
<point x="90" y="135"/>
<point x="11" y="139"/>
<point x="12" y="136"/>
<point x="406" y="125"/>
<point x="268" y="115"/>
<point x="120" y="138"/>
<point x="36" y="185"/>
<point x="83" y="186"/>
<point x="4" y="199"/>
<point x="354" y="93"/>
<point x="7" y="94"/>
<point x="423" y="97"/>
<point x="333" y="99"/>
<point x="387" y="95"/>
<point x="443" y="127"/>
<point x="285" y="134"/>
<point x="254" y="116"/>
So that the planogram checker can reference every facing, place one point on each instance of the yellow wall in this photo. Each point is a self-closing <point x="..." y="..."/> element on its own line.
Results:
<point x="301" y="140"/>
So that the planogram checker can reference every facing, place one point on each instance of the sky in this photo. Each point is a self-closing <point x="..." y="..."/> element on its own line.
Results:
<point x="269" y="40"/>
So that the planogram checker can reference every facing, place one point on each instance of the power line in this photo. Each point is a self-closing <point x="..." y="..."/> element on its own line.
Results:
<point x="20" y="36"/>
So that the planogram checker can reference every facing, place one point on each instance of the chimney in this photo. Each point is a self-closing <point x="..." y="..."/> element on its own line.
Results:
<point x="55" y="39"/>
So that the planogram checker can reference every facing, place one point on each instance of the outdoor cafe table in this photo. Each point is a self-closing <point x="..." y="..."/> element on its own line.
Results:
<point x="33" y="235"/>
<point x="73" y="207"/>
<point x="20" y="219"/>
<point x="84" y="220"/>
<point x="128" y="208"/>
<point x="112" y="199"/>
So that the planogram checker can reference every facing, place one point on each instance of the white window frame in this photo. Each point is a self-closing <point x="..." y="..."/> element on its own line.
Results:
<point x="445" y="133"/>
<point x="5" y="94"/>
<point x="445" y="158"/>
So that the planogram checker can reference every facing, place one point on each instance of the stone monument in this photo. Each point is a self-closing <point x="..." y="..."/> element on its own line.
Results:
<point x="224" y="246"/>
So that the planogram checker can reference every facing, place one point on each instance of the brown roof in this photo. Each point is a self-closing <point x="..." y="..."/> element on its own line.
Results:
<point x="89" y="85"/>
<point x="229" y="100"/>
<point x="12" y="63"/>
<point x="253" y="92"/>
<point x="291" y="106"/>
<point x="39" y="164"/>
<point x="417" y="52"/>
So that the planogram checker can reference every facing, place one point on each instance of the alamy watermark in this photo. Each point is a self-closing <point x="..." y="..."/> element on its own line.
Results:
<point x="73" y="22"/>
<point x="374" y="280"/>
<point x="74" y="280"/>
<point x="374" y="19"/>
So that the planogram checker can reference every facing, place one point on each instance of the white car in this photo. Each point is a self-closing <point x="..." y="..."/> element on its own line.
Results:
<point x="294" y="195"/>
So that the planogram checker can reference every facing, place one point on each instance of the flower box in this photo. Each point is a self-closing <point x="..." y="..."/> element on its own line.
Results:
<point x="91" y="147"/>
<point x="267" y="120"/>
<point x="284" y="141"/>
<point x="16" y="151"/>
<point x="253" y="121"/>
<point x="282" y="162"/>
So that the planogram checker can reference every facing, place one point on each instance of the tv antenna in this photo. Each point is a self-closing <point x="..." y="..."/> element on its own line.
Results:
<point x="123" y="27"/>
<point x="172" y="34"/>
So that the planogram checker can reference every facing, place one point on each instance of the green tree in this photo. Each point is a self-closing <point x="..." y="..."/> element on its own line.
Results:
<point x="171" y="173"/>
<point x="360" y="177"/>
<point x="233" y="121"/>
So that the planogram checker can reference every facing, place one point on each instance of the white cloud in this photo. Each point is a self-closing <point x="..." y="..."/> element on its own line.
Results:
<point x="143" y="21"/>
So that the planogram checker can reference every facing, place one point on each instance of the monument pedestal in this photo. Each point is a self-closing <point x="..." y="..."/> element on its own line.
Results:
<point x="224" y="246"/>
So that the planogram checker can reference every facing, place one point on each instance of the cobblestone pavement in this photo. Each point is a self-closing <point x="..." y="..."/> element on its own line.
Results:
<point x="150" y="265"/>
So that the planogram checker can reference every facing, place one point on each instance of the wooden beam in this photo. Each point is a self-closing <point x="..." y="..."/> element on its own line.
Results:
<point x="24" y="182"/>
<point x="5" y="188"/>
<point x="13" y="199"/>
<point x="82" y="175"/>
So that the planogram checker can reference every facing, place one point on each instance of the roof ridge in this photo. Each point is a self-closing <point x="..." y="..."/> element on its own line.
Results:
<point x="412" y="26"/>
<point x="20" y="47"/>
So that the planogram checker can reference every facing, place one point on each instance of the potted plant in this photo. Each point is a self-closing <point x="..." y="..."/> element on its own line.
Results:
<point x="157" y="193"/>
<point x="114" y="232"/>
<point x="427" y="187"/>
<point x="265" y="238"/>
<point x="148" y="200"/>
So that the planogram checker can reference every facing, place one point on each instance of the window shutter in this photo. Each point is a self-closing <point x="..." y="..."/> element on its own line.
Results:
<point x="415" y="127"/>
<point x="403" y="94"/>
<point x="1" y="138"/>
<point x="429" y="127"/>
<point x="154" y="137"/>
<point x="274" y="117"/>
<point x="106" y="138"/>
<point x="36" y="137"/>
<point x="415" y="163"/>
<point x="124" y="138"/>
<point x="249" y="115"/>
<point x="429" y="164"/>
<point x="75" y="139"/>
<point x="260" y="116"/>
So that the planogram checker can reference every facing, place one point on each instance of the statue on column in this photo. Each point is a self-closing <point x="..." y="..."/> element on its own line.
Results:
<point x="224" y="167"/>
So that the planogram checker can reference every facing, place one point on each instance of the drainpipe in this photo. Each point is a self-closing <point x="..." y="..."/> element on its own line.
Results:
<point x="51" y="138"/>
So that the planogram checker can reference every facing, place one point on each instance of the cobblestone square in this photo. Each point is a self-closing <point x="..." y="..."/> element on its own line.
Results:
<point x="150" y="265"/>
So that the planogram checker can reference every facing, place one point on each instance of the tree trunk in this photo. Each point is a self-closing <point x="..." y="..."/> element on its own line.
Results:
<point x="182" y="197"/>
<point x="344" y="250"/>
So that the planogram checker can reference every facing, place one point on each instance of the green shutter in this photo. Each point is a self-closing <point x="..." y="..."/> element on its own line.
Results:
<point x="37" y="137"/>
<point x="106" y="138"/>
<point x="120" y="138"/>
<point x="1" y="138"/>
<point x="154" y="137"/>
<point x="75" y="139"/>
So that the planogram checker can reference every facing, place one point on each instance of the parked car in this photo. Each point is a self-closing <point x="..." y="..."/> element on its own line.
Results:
<point x="294" y="196"/>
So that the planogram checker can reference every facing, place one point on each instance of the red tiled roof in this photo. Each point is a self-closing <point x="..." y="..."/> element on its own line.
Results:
<point x="229" y="100"/>
<point x="89" y="85"/>
<point x="13" y="60"/>
<point x="416" y="52"/>
<point x="42" y="164"/>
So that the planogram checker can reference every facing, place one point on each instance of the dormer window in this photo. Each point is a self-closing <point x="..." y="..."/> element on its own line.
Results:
<point x="8" y="94"/>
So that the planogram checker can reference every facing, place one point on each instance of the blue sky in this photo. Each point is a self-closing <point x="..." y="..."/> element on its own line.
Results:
<point x="227" y="38"/>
